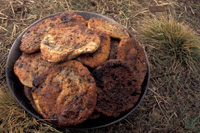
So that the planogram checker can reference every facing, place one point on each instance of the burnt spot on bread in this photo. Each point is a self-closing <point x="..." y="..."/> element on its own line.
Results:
<point x="129" y="82"/>
<point x="53" y="18"/>
<point x="90" y="32"/>
<point x="21" y="65"/>
<point x="134" y="93"/>
<point x="67" y="20"/>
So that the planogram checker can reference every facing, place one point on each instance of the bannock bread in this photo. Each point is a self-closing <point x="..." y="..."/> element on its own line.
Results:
<point x="66" y="94"/>
<point x="117" y="90"/>
<point x="95" y="59"/>
<point x="66" y="42"/>
<point x="30" y="42"/>
<point x="130" y="51"/>
<point x="111" y="28"/>
<point x="29" y="66"/>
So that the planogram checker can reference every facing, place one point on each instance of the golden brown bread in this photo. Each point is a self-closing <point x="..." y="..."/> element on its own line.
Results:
<point x="29" y="66"/>
<point x="94" y="59"/>
<point x="66" y="94"/>
<point x="32" y="38"/>
<point x="65" y="42"/>
<point x="111" y="28"/>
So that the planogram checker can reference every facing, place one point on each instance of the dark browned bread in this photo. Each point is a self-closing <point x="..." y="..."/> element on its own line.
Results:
<point x="130" y="51"/>
<point x="117" y="90"/>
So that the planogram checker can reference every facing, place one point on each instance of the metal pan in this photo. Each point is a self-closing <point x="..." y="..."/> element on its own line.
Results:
<point x="16" y="87"/>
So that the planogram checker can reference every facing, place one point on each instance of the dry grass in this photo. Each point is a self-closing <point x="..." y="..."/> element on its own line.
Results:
<point x="172" y="101"/>
<point x="172" y="41"/>
<point x="14" y="119"/>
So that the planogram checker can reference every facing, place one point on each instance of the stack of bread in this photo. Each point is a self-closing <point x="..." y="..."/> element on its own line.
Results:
<point x="71" y="67"/>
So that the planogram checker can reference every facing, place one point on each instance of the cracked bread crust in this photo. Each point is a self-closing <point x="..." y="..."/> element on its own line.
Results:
<point x="65" y="95"/>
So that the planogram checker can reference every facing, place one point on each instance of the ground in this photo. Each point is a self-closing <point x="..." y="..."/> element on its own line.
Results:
<point x="172" y="101"/>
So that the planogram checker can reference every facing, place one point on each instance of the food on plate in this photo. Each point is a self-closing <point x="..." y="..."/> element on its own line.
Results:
<point x="65" y="42"/>
<point x="111" y="28"/>
<point x="28" y="66"/>
<point x="66" y="94"/>
<point x="30" y="42"/>
<point x="73" y="70"/>
<point x="116" y="87"/>
<point x="94" y="59"/>
<point x="130" y="51"/>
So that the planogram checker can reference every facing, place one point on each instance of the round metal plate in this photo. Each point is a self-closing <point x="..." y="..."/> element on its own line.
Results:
<point x="17" y="88"/>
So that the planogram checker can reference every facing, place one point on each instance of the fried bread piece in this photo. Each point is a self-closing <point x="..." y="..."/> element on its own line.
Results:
<point x="72" y="17"/>
<point x="28" y="66"/>
<point x="116" y="87"/>
<point x="130" y="51"/>
<point x="65" y="95"/>
<point x="94" y="59"/>
<point x="32" y="38"/>
<point x="111" y="28"/>
<point x="65" y="42"/>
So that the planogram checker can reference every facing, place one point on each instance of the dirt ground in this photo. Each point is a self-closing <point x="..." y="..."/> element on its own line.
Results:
<point x="172" y="101"/>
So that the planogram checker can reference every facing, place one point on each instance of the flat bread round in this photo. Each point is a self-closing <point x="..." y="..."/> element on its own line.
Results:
<point x="111" y="28"/>
<point x="65" y="42"/>
<point x="95" y="59"/>
<point x="131" y="51"/>
<point x="32" y="38"/>
<point x="65" y="95"/>
<point x="117" y="90"/>
<point x="29" y="66"/>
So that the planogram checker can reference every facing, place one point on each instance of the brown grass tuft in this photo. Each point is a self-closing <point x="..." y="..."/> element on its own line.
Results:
<point x="172" y="41"/>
